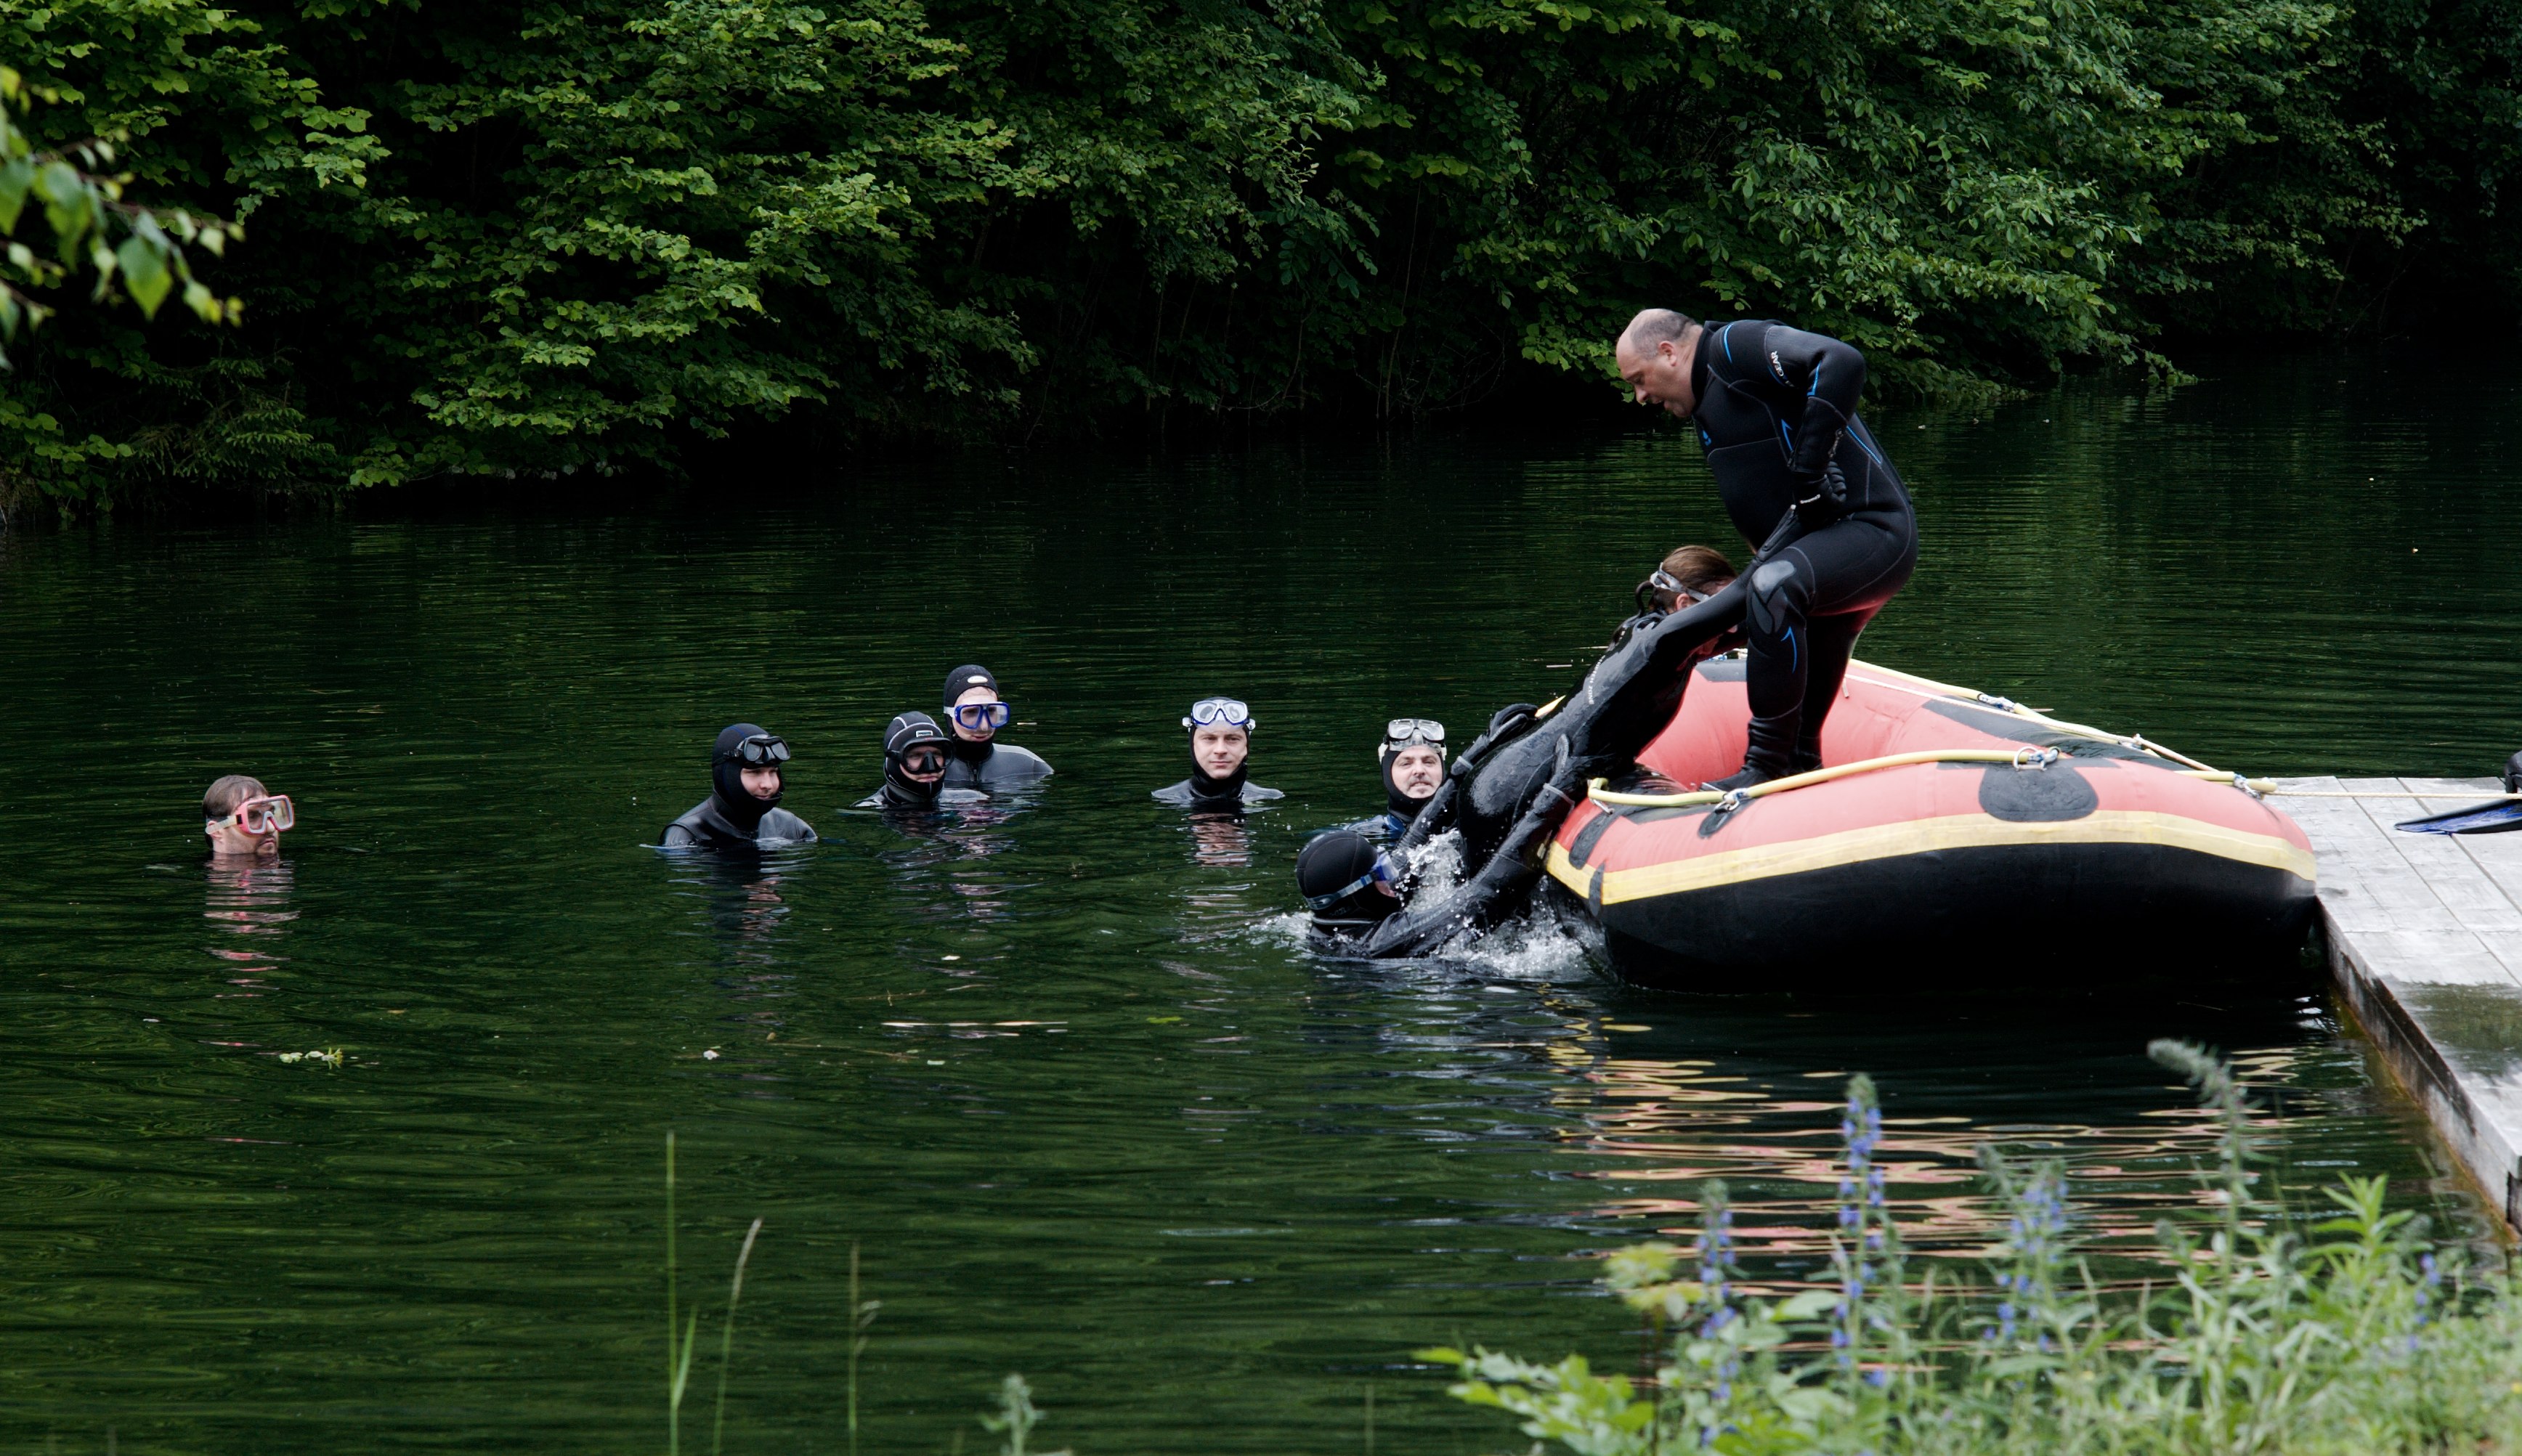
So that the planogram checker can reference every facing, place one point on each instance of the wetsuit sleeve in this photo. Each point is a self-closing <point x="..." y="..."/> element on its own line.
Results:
<point x="677" y="836"/>
<point x="1829" y="374"/>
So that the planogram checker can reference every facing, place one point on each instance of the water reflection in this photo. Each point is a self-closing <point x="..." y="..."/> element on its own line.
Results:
<point x="247" y="901"/>
<point x="945" y="868"/>
<point x="1220" y="840"/>
<point x="740" y="896"/>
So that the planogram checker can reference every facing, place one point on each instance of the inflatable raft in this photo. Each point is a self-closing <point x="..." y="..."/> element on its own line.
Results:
<point x="2012" y="841"/>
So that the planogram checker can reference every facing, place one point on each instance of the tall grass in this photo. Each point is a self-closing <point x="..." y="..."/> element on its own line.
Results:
<point x="1016" y="1413"/>
<point x="2337" y="1331"/>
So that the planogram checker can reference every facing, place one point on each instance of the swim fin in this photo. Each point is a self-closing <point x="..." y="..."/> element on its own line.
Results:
<point x="2494" y="818"/>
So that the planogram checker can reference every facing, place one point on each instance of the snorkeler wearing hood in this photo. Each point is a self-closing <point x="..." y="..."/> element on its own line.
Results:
<point x="1221" y="760"/>
<point x="743" y="807"/>
<point x="1413" y="759"/>
<point x="975" y="759"/>
<point x="915" y="765"/>
<point x="1349" y="885"/>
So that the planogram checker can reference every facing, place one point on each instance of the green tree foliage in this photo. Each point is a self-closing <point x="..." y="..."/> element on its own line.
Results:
<point x="495" y="238"/>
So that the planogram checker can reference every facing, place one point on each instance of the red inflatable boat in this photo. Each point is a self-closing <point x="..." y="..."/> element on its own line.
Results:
<point x="2010" y="841"/>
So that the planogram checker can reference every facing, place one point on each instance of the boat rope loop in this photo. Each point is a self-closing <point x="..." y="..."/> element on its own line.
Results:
<point x="1726" y="802"/>
<point x="1730" y="800"/>
<point x="2029" y="757"/>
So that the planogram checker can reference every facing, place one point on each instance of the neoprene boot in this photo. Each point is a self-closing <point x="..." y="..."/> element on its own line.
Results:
<point x="1770" y="753"/>
<point x="1807" y="755"/>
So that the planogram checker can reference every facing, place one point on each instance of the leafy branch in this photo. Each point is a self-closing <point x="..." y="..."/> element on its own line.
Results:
<point x="84" y="206"/>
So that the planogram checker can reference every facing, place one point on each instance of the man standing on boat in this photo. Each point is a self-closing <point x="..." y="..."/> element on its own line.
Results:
<point x="1804" y="481"/>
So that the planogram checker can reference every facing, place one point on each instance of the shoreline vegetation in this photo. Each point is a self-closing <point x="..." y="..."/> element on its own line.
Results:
<point x="2340" y="1330"/>
<point x="531" y="242"/>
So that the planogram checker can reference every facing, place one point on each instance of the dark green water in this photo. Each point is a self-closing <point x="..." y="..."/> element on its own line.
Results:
<point x="1063" y="1070"/>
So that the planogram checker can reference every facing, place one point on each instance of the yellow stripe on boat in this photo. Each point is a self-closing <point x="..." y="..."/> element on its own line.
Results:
<point x="1927" y="837"/>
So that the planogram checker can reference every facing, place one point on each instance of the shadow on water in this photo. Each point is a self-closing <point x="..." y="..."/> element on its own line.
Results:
<point x="1065" y="1069"/>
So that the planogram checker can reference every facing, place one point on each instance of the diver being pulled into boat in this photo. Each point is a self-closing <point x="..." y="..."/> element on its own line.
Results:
<point x="1802" y="478"/>
<point x="1508" y="791"/>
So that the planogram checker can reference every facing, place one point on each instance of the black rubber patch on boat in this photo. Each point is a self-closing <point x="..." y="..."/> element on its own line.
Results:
<point x="2037" y="796"/>
<point x="1587" y="838"/>
<point x="2007" y="726"/>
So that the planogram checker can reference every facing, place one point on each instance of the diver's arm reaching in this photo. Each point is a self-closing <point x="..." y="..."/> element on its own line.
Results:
<point x="1497" y="891"/>
<point x="1438" y="815"/>
<point x="1537" y="766"/>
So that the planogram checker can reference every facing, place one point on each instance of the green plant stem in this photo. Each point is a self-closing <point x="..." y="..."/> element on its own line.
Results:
<point x="727" y="1335"/>
<point x="673" y="1382"/>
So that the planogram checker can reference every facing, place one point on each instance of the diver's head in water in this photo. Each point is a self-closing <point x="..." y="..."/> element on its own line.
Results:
<point x="243" y="819"/>
<point x="1221" y="747"/>
<point x="974" y="707"/>
<point x="1655" y="353"/>
<point x="745" y="777"/>
<point x="1690" y="575"/>
<point x="1413" y="756"/>
<point x="1348" y="884"/>
<point x="914" y="761"/>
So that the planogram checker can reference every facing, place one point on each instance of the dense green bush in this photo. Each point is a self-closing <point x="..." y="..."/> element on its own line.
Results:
<point x="491" y="236"/>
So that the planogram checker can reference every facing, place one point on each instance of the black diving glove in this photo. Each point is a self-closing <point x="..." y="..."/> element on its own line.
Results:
<point x="1822" y="496"/>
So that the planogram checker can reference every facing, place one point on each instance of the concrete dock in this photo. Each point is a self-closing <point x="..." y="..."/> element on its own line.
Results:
<point x="2424" y="933"/>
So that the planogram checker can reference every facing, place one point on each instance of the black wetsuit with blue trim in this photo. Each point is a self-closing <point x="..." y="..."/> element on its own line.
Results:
<point x="1776" y="411"/>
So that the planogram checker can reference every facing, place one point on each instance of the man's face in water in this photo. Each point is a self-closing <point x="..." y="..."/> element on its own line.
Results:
<point x="761" y="783"/>
<point x="231" y="840"/>
<point x="925" y="763"/>
<point x="1660" y="375"/>
<point x="974" y="734"/>
<point x="1219" y="751"/>
<point x="1417" y="770"/>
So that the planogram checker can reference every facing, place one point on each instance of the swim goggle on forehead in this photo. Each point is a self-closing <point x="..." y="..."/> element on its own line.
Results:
<point x="269" y="814"/>
<point x="979" y="716"/>
<point x="1662" y="580"/>
<point x="1221" y="713"/>
<point x="1403" y="732"/>
<point x="1383" y="874"/>
<point x="762" y="751"/>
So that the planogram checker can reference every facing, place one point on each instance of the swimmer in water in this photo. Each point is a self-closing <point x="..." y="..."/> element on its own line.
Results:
<point x="915" y="754"/>
<point x="1350" y="886"/>
<point x="1221" y="760"/>
<point x="975" y="759"/>
<point x="1413" y="757"/>
<point x="243" y="819"/>
<point x="743" y="807"/>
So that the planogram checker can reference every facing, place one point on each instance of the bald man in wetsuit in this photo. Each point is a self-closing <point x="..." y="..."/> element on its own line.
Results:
<point x="1776" y="411"/>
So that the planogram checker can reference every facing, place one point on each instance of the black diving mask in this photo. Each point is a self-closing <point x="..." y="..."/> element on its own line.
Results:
<point x="761" y="750"/>
<point x="924" y="758"/>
